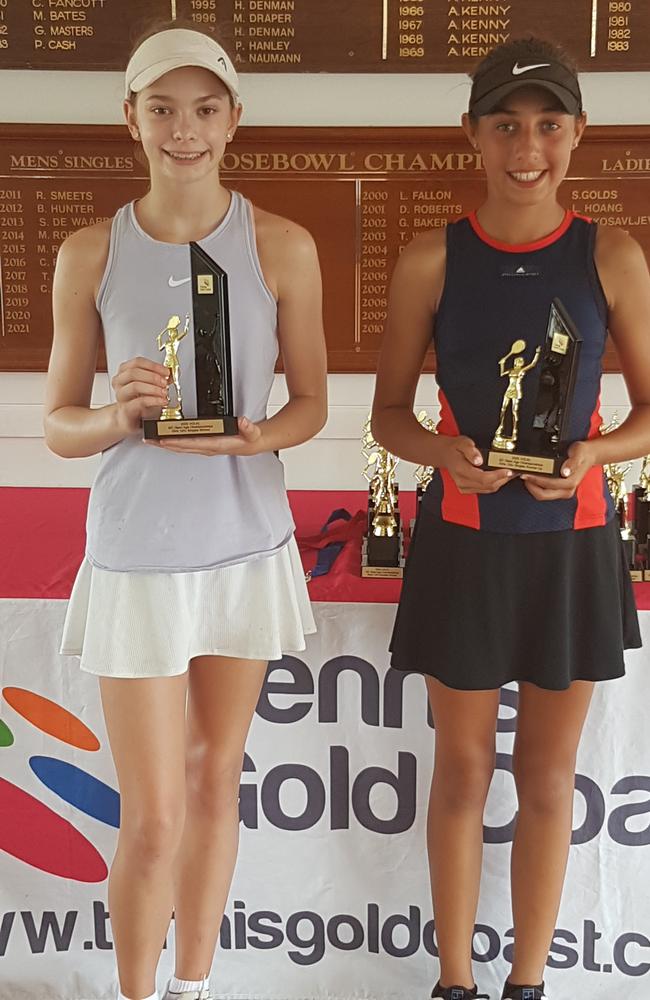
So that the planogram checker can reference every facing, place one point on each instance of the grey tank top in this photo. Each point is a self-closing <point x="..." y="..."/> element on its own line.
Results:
<point x="154" y="510"/>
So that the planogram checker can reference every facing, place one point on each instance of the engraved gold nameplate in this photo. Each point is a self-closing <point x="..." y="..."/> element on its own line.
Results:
<point x="382" y="572"/>
<point x="168" y="428"/>
<point x="521" y="463"/>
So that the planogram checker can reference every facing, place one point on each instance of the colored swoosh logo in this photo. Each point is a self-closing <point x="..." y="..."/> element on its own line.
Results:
<point x="32" y="832"/>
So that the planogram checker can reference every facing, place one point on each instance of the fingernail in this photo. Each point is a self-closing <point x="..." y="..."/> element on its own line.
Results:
<point x="478" y="461"/>
<point x="523" y="476"/>
<point x="566" y="472"/>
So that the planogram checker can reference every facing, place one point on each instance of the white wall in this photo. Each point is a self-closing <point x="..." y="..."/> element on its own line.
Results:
<point x="333" y="459"/>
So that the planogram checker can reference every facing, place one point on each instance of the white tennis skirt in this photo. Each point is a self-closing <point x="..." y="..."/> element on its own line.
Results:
<point x="153" y="624"/>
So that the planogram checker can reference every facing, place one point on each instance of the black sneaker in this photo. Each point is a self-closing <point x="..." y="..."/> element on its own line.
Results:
<point x="524" y="992"/>
<point x="457" y="993"/>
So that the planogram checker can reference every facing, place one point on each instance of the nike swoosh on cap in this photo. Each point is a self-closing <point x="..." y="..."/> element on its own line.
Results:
<point x="517" y="69"/>
<point x="173" y="282"/>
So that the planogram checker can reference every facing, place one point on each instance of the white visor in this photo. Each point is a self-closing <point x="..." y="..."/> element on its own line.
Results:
<point x="175" y="47"/>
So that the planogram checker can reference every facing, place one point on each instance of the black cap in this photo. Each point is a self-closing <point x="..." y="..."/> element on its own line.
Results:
<point x="490" y="87"/>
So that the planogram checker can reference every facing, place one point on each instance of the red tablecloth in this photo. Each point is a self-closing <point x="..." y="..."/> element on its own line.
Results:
<point x="42" y="543"/>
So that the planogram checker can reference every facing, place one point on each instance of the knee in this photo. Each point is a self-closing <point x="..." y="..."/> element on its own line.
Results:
<point x="152" y="835"/>
<point x="545" y="787"/>
<point x="462" y="779"/>
<point x="213" y="781"/>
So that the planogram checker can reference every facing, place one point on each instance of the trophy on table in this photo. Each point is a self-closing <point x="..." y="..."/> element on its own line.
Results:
<point x="382" y="553"/>
<point x="210" y="323"/>
<point x="539" y="446"/>
<point x="423" y="473"/>
<point x="642" y="515"/>
<point x="615" y="474"/>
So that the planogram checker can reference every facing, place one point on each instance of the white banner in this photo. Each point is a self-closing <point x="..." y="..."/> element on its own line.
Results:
<point x="331" y="893"/>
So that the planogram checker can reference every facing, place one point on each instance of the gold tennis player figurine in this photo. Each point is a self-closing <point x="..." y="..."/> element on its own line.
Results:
<point x="512" y="395"/>
<point x="382" y="551"/>
<point x="380" y="473"/>
<point x="424" y="473"/>
<point x="383" y="494"/>
<point x="170" y="347"/>
<point x="644" y="478"/>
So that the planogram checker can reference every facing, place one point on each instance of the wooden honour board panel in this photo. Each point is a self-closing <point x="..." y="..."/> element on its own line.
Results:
<point x="327" y="35"/>
<point x="362" y="193"/>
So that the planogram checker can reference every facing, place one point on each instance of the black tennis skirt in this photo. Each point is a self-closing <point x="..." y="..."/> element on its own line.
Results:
<point x="479" y="608"/>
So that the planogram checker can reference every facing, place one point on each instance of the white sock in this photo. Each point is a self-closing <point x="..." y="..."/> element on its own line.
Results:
<point x="185" y="985"/>
<point x="154" y="996"/>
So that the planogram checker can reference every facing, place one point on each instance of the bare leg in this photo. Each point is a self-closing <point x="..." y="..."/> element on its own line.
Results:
<point x="145" y="719"/>
<point x="223" y="693"/>
<point x="465" y="724"/>
<point x="549" y="729"/>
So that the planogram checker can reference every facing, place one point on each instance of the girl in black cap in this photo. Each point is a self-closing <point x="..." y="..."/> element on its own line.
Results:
<point x="512" y="576"/>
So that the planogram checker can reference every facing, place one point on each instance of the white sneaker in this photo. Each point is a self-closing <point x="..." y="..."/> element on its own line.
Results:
<point x="203" y="993"/>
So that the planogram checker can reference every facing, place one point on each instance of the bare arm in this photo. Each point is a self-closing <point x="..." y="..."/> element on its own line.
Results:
<point x="415" y="292"/>
<point x="534" y="361"/>
<point x="302" y="341"/>
<point x="72" y="428"/>
<point x="624" y="276"/>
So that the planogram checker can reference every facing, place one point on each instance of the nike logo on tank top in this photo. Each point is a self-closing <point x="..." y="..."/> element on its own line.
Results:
<point x="155" y="510"/>
<point x="494" y="294"/>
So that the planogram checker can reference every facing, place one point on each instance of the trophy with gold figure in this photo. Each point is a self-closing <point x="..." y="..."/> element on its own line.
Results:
<point x="538" y="441"/>
<point x="209" y="368"/>
<point x="382" y="553"/>
<point x="423" y="473"/>
<point x="615" y="474"/>
<point x="642" y="515"/>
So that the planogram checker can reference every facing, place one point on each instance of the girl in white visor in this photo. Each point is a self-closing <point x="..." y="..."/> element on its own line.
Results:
<point x="191" y="581"/>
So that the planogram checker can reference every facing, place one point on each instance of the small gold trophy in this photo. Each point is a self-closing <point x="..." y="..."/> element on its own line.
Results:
<point x="423" y="473"/>
<point x="615" y="474"/>
<point x="382" y="552"/>
<point x="642" y="515"/>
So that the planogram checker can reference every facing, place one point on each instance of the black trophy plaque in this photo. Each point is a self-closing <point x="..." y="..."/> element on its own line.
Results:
<point x="642" y="526"/>
<point x="212" y="358"/>
<point x="382" y="551"/>
<point x="540" y="447"/>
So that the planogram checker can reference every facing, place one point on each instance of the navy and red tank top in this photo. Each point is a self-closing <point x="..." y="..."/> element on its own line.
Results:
<point x="494" y="294"/>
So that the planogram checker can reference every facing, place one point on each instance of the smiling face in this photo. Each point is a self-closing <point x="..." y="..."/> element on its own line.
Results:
<point x="526" y="145"/>
<point x="184" y="121"/>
